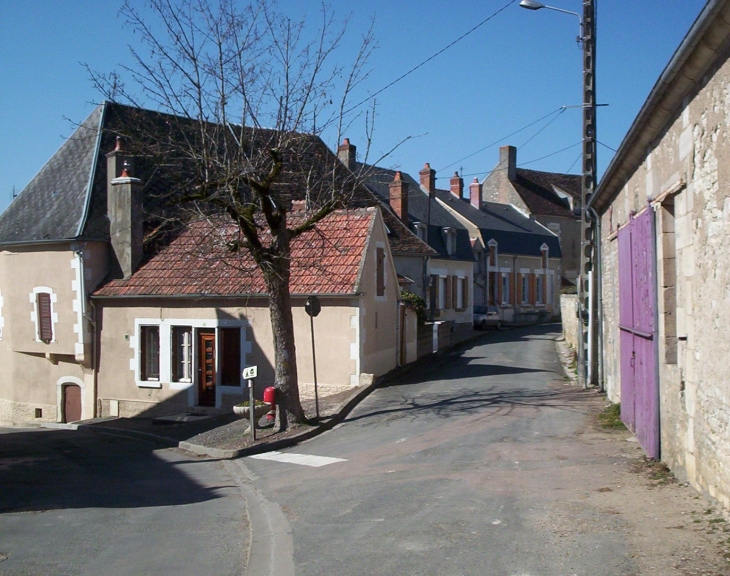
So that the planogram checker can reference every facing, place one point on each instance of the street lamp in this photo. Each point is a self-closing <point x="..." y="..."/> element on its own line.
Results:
<point x="587" y="353"/>
<point x="532" y="5"/>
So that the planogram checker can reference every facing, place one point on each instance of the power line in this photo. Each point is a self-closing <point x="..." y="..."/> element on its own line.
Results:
<point x="427" y="60"/>
<point x="606" y="146"/>
<point x="503" y="138"/>
<point x="488" y="172"/>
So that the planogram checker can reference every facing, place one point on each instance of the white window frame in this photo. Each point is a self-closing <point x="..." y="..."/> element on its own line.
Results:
<point x="420" y="230"/>
<point x="442" y="293"/>
<point x="186" y="352"/>
<point x="540" y="289"/>
<point x="166" y="370"/>
<point x="460" y="285"/>
<point x="505" y="289"/>
<point x="525" y="288"/>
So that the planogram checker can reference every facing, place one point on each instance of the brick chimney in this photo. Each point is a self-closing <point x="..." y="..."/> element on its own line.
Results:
<point x="428" y="178"/>
<point x="457" y="185"/>
<point x="399" y="197"/>
<point x="475" y="194"/>
<point x="508" y="161"/>
<point x="126" y="217"/>
<point x="346" y="154"/>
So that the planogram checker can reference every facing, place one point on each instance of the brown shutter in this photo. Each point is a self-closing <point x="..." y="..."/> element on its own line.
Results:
<point x="533" y="288"/>
<point x="511" y="287"/>
<point x="447" y="299"/>
<point x="519" y="289"/>
<point x="230" y="356"/>
<point x="45" y="321"/>
<point x="435" y="291"/>
<point x="380" y="273"/>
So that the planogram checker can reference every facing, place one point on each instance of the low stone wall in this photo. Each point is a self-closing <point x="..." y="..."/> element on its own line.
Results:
<point x="569" y="313"/>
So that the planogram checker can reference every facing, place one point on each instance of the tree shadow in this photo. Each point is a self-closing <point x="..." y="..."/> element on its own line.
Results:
<point x="456" y="403"/>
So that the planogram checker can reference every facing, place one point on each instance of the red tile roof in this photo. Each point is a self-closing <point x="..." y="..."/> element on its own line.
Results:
<point x="325" y="260"/>
<point x="536" y="190"/>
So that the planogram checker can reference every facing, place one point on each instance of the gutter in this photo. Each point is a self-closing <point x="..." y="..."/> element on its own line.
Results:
<point x="217" y="296"/>
<point x="684" y="72"/>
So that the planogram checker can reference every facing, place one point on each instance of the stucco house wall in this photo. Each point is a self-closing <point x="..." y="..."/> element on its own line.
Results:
<point x="67" y="271"/>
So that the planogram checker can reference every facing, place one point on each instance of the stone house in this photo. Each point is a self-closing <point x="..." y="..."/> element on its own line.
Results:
<point x="518" y="259"/>
<point x="446" y="279"/>
<point x="550" y="198"/>
<point x="101" y="316"/>
<point x="664" y="207"/>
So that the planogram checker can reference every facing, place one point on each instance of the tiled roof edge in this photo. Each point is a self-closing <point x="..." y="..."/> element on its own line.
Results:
<point x="366" y="248"/>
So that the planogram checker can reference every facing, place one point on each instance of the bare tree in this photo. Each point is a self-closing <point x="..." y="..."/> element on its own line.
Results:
<point x="245" y="94"/>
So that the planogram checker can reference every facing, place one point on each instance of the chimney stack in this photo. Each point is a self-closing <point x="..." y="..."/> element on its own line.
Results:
<point x="457" y="185"/>
<point x="399" y="197"/>
<point x="346" y="154"/>
<point x="475" y="194"/>
<point x="124" y="208"/>
<point x="508" y="161"/>
<point x="428" y="178"/>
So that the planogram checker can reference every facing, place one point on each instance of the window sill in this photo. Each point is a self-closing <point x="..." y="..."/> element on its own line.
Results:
<point x="149" y="384"/>
<point x="182" y="385"/>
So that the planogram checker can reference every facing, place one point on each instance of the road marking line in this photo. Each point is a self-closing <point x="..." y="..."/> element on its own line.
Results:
<point x="302" y="459"/>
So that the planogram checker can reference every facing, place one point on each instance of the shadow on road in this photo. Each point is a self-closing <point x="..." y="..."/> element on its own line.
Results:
<point x="457" y="403"/>
<point x="56" y="469"/>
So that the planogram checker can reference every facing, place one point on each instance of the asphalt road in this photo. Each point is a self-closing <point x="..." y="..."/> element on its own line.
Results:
<point x="81" y="503"/>
<point x="472" y="466"/>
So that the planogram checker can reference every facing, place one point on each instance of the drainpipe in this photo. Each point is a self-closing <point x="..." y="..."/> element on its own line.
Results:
<point x="599" y="295"/>
<point x="91" y="319"/>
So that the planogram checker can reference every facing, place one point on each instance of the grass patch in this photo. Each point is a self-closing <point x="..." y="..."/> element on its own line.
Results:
<point x="610" y="418"/>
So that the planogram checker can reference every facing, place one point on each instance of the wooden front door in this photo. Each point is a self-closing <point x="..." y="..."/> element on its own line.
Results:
<point x="71" y="403"/>
<point x="206" y="368"/>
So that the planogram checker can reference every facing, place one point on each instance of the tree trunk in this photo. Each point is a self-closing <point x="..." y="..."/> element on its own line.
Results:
<point x="276" y="276"/>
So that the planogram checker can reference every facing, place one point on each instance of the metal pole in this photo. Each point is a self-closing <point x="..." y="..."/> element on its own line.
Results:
<point x="588" y="183"/>
<point x="314" y="368"/>
<point x="251" y="410"/>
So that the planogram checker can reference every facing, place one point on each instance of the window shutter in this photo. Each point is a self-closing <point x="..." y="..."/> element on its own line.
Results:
<point x="520" y="296"/>
<point x="465" y="292"/>
<point x="511" y="287"/>
<point x="533" y="288"/>
<point x="45" y="320"/>
<point x="380" y="271"/>
<point x="498" y="282"/>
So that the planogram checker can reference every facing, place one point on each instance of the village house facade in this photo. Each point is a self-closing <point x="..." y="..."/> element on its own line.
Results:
<point x="519" y="260"/>
<point x="446" y="279"/>
<point x="550" y="198"/>
<point x="664" y="206"/>
<point x="96" y="319"/>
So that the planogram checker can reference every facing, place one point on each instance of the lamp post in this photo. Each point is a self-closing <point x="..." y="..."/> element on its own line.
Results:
<point x="587" y="349"/>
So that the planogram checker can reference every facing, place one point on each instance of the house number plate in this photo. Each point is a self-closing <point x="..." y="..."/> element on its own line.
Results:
<point x="250" y="372"/>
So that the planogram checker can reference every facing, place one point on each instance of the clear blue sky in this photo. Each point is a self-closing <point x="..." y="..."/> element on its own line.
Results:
<point x="519" y="67"/>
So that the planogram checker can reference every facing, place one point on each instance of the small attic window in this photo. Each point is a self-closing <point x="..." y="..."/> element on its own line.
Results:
<point x="450" y="240"/>
<point x="420" y="230"/>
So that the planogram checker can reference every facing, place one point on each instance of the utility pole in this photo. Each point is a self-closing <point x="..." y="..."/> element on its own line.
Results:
<point x="587" y="360"/>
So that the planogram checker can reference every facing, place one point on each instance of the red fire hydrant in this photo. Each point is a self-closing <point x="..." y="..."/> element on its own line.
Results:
<point x="270" y="399"/>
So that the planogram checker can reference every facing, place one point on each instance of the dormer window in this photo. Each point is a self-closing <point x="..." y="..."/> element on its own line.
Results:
<point x="492" y="244"/>
<point x="420" y="230"/>
<point x="450" y="240"/>
<point x="545" y="254"/>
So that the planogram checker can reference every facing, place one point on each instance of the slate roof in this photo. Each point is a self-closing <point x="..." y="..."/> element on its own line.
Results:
<point x="537" y="190"/>
<point x="378" y="180"/>
<point x="52" y="205"/>
<point x="514" y="232"/>
<point x="325" y="260"/>
<point x="67" y="198"/>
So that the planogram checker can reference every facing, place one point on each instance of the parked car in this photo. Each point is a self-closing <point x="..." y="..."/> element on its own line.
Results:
<point x="486" y="316"/>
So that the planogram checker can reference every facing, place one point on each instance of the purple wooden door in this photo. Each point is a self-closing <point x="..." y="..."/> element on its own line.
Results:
<point x="637" y="312"/>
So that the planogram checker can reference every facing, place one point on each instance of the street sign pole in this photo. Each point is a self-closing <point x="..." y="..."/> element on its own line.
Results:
<point x="252" y="410"/>
<point x="313" y="307"/>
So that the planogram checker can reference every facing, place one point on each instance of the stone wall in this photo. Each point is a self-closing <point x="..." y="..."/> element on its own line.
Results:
<point x="569" y="315"/>
<point x="688" y="171"/>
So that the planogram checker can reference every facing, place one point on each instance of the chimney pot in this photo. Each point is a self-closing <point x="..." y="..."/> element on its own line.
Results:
<point x="428" y="178"/>
<point x="399" y="197"/>
<point x="346" y="152"/>
<point x="475" y="194"/>
<point x="457" y="185"/>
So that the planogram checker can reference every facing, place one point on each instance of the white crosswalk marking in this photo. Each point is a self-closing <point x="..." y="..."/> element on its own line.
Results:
<point x="301" y="459"/>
